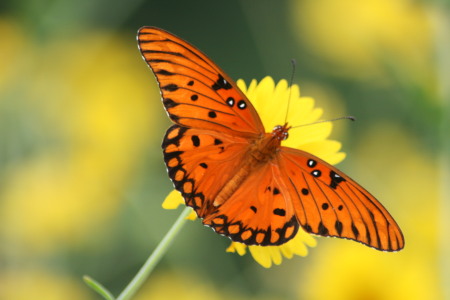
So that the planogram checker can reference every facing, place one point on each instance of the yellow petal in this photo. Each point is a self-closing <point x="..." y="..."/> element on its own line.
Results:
<point x="268" y="255"/>
<point x="261" y="255"/>
<point x="326" y="150"/>
<point x="238" y="248"/>
<point x="307" y="134"/>
<point x="192" y="216"/>
<point x="173" y="200"/>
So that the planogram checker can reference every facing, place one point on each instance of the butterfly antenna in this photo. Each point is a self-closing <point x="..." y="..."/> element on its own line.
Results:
<point x="293" y="63"/>
<point x="323" y="121"/>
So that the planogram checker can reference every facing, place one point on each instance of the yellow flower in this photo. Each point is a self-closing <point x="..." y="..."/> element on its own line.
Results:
<point x="362" y="37"/>
<point x="35" y="282"/>
<point x="76" y="138"/>
<point x="271" y="102"/>
<point x="189" y="285"/>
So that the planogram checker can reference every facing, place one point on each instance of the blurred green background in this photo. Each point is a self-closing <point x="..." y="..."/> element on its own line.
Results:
<point x="81" y="172"/>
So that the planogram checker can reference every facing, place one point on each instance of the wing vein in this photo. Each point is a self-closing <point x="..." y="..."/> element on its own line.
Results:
<point x="204" y="120"/>
<point x="186" y="48"/>
<point x="200" y="106"/>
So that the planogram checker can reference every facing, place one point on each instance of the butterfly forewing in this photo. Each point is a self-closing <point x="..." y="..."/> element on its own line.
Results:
<point x="329" y="203"/>
<point x="196" y="93"/>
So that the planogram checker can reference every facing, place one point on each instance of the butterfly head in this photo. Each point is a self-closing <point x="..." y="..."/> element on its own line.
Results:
<point x="281" y="132"/>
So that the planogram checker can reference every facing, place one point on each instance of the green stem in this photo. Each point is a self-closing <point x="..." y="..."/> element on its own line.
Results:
<point x="154" y="258"/>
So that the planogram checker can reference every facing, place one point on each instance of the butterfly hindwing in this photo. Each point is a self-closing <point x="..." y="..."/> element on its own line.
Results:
<point x="329" y="203"/>
<point x="194" y="159"/>
<point x="196" y="93"/>
<point x="257" y="213"/>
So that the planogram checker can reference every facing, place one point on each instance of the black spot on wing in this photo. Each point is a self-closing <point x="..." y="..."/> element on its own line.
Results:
<point x="279" y="212"/>
<point x="311" y="163"/>
<point x="335" y="179"/>
<point x="241" y="104"/>
<point x="164" y="72"/>
<point x="221" y="83"/>
<point x="276" y="191"/>
<point x="169" y="103"/>
<point x="174" y="118"/>
<point x="170" y="87"/>
<point x="195" y="140"/>
<point x="316" y="173"/>
<point x="339" y="227"/>
<point x="355" y="231"/>
<point x="322" y="230"/>
<point x="307" y="227"/>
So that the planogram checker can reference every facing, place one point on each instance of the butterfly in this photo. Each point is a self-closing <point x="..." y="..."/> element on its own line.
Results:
<point x="236" y="176"/>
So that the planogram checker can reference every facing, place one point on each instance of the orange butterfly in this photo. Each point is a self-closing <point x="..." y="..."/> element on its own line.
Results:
<point x="238" y="178"/>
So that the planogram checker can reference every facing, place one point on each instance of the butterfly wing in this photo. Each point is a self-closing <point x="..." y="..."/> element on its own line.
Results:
<point x="203" y="164"/>
<point x="329" y="203"/>
<point x="200" y="162"/>
<point x="258" y="212"/>
<point x="196" y="93"/>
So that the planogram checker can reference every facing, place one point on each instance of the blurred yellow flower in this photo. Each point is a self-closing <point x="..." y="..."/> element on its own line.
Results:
<point x="81" y="122"/>
<point x="271" y="102"/>
<point x="178" y="286"/>
<point x="410" y="186"/>
<point x="35" y="283"/>
<point x="359" y="273"/>
<point x="188" y="285"/>
<point x="12" y="51"/>
<point x="358" y="38"/>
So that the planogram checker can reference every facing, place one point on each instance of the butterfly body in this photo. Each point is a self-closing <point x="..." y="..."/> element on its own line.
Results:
<point x="239" y="179"/>
<point x="261" y="150"/>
